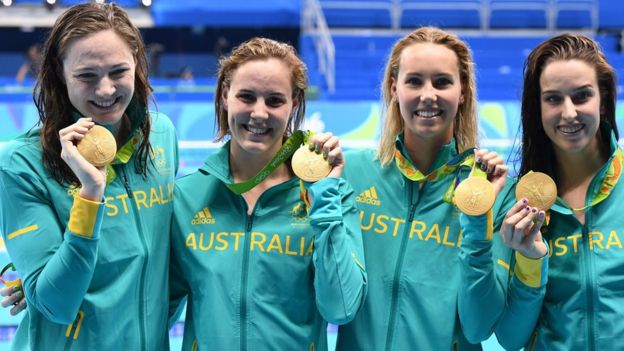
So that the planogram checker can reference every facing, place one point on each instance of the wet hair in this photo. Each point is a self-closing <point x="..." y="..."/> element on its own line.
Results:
<point x="465" y="126"/>
<point x="261" y="49"/>
<point x="536" y="150"/>
<point x="51" y="96"/>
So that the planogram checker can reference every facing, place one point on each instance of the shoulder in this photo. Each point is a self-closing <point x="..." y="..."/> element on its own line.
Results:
<point x="161" y="122"/>
<point x="22" y="152"/>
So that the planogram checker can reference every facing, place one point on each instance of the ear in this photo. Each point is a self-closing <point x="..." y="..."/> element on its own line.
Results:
<point x="224" y="93"/>
<point x="393" y="88"/>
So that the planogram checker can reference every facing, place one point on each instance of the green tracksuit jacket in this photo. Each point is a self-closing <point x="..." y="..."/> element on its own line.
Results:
<point x="583" y="303"/>
<point x="411" y="243"/>
<point x="94" y="274"/>
<point x="271" y="279"/>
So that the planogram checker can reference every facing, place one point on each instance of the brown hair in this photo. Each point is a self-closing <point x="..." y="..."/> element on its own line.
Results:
<point x="536" y="149"/>
<point x="465" y="126"/>
<point x="261" y="49"/>
<point x="51" y="97"/>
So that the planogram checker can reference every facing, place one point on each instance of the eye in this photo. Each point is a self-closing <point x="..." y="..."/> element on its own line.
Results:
<point x="582" y="97"/>
<point x="552" y="99"/>
<point x="118" y="72"/>
<point x="246" y="97"/>
<point x="275" y="101"/>
<point x="443" y="82"/>
<point x="415" y="81"/>
<point x="87" y="76"/>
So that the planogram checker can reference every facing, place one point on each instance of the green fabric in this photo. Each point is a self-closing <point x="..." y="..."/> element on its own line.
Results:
<point x="411" y="238"/>
<point x="269" y="280"/>
<point x="113" y="284"/>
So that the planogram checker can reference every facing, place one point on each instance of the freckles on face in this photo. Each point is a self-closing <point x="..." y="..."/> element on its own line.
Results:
<point x="99" y="72"/>
<point x="570" y="105"/>
<point x="428" y="89"/>
<point x="259" y="102"/>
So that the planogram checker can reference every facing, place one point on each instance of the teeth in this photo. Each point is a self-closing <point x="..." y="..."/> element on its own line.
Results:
<point x="571" y="128"/>
<point x="104" y="103"/>
<point x="257" y="130"/>
<point x="428" y="114"/>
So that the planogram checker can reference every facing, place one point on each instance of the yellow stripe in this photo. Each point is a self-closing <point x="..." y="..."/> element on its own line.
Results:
<point x="200" y="214"/>
<point x="357" y="261"/>
<point x="22" y="231"/>
<point x="207" y="212"/>
<point x="373" y="192"/>
<point x="367" y="193"/>
<point x="502" y="263"/>
<point x="194" y="347"/>
<point x="80" y="319"/>
<point x="490" y="226"/>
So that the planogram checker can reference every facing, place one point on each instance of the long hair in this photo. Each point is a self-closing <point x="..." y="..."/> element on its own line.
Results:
<point x="537" y="151"/>
<point x="465" y="124"/>
<point x="261" y="49"/>
<point x="50" y="94"/>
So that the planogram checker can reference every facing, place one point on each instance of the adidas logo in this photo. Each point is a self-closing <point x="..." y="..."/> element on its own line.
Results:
<point x="368" y="196"/>
<point x="203" y="217"/>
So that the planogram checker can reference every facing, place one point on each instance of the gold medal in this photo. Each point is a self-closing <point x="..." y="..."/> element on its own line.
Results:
<point x="98" y="146"/>
<point x="308" y="165"/>
<point x="538" y="188"/>
<point x="474" y="196"/>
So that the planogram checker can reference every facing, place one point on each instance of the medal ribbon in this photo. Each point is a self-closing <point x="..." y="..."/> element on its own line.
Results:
<point x="608" y="183"/>
<point x="466" y="158"/>
<point x="288" y="148"/>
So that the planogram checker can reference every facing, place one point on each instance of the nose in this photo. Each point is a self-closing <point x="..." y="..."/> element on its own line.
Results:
<point x="569" y="109"/>
<point x="106" y="88"/>
<point x="260" y="110"/>
<point x="428" y="95"/>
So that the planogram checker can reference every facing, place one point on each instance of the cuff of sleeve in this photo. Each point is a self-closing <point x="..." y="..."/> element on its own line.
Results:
<point x="85" y="217"/>
<point x="477" y="227"/>
<point x="531" y="272"/>
<point x="326" y="199"/>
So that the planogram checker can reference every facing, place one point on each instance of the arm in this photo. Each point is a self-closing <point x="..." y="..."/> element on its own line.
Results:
<point x="56" y="260"/>
<point x="340" y="278"/>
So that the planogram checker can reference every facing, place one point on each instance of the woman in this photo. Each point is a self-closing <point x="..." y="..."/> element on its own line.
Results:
<point x="569" y="132"/>
<point x="411" y="228"/>
<point x="88" y="241"/>
<point x="264" y="267"/>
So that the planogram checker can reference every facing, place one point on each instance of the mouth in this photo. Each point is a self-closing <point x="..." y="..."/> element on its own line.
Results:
<point x="570" y="129"/>
<point x="428" y="113"/>
<point x="256" y="131"/>
<point x="105" y="104"/>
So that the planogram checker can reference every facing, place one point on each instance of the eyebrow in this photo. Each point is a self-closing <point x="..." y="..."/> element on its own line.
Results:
<point x="575" y="90"/>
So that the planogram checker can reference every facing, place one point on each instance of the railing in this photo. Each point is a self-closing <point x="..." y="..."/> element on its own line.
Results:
<point x="314" y="24"/>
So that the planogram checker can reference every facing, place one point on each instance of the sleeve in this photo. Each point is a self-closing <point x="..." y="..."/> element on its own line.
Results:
<point x="340" y="279"/>
<point x="524" y="301"/>
<point x="492" y="298"/>
<point x="55" y="259"/>
<point x="178" y="286"/>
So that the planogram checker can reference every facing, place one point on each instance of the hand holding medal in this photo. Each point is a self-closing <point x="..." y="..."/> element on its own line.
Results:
<point x="98" y="146"/>
<point x="322" y="157"/>
<point x="475" y="195"/>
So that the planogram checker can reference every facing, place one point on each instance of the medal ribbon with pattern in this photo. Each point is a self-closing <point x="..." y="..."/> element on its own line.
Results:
<point x="608" y="183"/>
<point x="465" y="158"/>
<point x="290" y="146"/>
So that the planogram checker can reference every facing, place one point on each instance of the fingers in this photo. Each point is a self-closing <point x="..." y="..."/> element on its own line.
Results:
<point x="513" y="223"/>
<point x="19" y="307"/>
<point x="329" y="145"/>
<point x="12" y="296"/>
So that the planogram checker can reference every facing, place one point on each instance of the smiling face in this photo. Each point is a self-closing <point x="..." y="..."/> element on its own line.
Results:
<point x="98" y="71"/>
<point x="570" y="105"/>
<point x="259" y="103"/>
<point x="428" y="90"/>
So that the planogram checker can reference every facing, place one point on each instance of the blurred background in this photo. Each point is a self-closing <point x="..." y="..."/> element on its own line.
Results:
<point x="344" y="43"/>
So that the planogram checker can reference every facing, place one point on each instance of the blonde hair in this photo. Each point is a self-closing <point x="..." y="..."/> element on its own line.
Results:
<point x="261" y="49"/>
<point x="465" y="126"/>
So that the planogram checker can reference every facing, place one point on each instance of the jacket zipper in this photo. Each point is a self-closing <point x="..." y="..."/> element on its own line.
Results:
<point x="589" y="285"/>
<point x="244" y="279"/>
<point x="139" y="227"/>
<point x="399" y="265"/>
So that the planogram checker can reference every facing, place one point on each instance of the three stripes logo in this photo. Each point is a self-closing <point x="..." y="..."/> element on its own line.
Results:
<point x="369" y="196"/>
<point x="203" y="217"/>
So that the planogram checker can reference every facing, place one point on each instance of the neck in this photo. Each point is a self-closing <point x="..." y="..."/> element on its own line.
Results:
<point x="577" y="168"/>
<point x="423" y="152"/>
